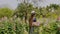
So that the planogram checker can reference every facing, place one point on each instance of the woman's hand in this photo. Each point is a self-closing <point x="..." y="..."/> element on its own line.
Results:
<point x="35" y="24"/>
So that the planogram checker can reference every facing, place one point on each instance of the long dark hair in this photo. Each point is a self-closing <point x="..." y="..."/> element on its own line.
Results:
<point x="31" y="19"/>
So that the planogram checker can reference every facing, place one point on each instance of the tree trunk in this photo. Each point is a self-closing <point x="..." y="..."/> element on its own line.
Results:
<point x="26" y="17"/>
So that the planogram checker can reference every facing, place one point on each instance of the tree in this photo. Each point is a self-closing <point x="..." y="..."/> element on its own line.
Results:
<point x="23" y="10"/>
<point x="52" y="7"/>
<point x="6" y="12"/>
<point x="52" y="10"/>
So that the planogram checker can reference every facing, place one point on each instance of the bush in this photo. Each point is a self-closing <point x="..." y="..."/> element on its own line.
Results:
<point x="19" y="27"/>
<point x="6" y="12"/>
<point x="13" y="27"/>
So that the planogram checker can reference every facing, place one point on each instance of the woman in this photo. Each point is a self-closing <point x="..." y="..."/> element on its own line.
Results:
<point x="32" y="22"/>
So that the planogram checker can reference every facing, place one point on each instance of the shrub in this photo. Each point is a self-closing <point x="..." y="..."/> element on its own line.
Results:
<point x="6" y="12"/>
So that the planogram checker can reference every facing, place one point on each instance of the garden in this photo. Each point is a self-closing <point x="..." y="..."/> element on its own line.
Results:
<point x="17" y="21"/>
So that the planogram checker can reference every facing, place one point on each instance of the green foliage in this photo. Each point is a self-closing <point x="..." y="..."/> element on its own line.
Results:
<point x="55" y="6"/>
<point x="18" y="27"/>
<point x="24" y="9"/>
<point x="6" y="27"/>
<point x="13" y="27"/>
<point x="6" y="12"/>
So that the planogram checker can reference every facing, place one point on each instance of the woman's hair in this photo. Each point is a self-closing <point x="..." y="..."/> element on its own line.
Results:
<point x="31" y="19"/>
<point x="32" y="14"/>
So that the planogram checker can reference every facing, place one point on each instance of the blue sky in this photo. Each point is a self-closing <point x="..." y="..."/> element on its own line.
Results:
<point x="13" y="3"/>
